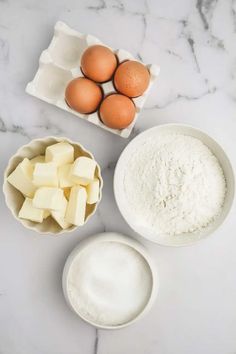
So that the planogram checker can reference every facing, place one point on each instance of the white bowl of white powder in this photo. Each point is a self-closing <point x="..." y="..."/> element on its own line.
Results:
<point x="110" y="281"/>
<point x="174" y="184"/>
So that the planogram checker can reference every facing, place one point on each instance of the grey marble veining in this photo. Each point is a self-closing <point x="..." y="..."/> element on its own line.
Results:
<point x="194" y="42"/>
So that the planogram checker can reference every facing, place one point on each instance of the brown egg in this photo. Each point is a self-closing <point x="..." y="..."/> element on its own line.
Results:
<point x="117" y="111"/>
<point x="98" y="63"/>
<point x="83" y="95"/>
<point x="131" y="78"/>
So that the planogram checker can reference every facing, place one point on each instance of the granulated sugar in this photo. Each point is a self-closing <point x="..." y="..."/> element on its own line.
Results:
<point x="174" y="184"/>
<point x="109" y="283"/>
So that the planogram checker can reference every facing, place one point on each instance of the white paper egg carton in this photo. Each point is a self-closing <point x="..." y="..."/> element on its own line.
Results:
<point x="60" y="63"/>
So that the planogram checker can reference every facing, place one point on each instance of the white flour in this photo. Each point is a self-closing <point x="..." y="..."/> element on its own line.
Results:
<point x="109" y="283"/>
<point x="174" y="184"/>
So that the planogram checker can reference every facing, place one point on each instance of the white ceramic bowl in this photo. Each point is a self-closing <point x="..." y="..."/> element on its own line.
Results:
<point x="118" y="238"/>
<point x="182" y="239"/>
<point x="14" y="198"/>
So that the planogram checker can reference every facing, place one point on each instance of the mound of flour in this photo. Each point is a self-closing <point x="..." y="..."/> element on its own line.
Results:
<point x="174" y="184"/>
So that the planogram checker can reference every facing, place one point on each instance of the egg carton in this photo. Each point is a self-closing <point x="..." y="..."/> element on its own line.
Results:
<point x="60" y="63"/>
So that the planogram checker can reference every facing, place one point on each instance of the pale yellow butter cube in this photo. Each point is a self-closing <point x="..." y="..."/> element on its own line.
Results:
<point x="82" y="171"/>
<point x="29" y="212"/>
<point x="64" y="176"/>
<point x="60" y="153"/>
<point x="46" y="214"/>
<point x="48" y="198"/>
<point x="45" y="174"/>
<point x="76" y="209"/>
<point x="59" y="215"/>
<point x="21" y="178"/>
<point x="93" y="191"/>
<point x="39" y="158"/>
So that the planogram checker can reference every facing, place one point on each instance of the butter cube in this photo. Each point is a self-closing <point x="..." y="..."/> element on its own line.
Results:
<point x="36" y="159"/>
<point x="93" y="191"/>
<point x="46" y="213"/>
<point x="82" y="171"/>
<point x="45" y="174"/>
<point x="60" y="153"/>
<point x="48" y="198"/>
<point x="29" y="212"/>
<point x="76" y="209"/>
<point x="64" y="176"/>
<point x="21" y="178"/>
<point x="59" y="215"/>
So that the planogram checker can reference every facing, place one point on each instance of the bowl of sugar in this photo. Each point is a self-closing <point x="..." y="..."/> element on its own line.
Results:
<point x="52" y="185"/>
<point x="110" y="280"/>
<point x="174" y="184"/>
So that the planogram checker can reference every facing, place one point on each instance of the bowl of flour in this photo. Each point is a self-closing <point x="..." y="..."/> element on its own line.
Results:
<point x="174" y="184"/>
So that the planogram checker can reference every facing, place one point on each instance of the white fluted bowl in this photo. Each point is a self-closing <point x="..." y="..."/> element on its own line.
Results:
<point x="14" y="199"/>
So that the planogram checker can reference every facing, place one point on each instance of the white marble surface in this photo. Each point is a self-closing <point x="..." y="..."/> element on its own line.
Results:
<point x="194" y="41"/>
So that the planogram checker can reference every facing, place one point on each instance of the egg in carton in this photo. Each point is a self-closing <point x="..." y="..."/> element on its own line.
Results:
<point x="60" y="63"/>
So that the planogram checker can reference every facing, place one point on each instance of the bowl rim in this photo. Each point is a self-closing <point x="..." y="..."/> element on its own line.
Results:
<point x="5" y="183"/>
<point x="118" y="238"/>
<point x="148" y="131"/>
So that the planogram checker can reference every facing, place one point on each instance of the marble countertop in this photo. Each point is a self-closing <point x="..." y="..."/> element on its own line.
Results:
<point x="194" y="43"/>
